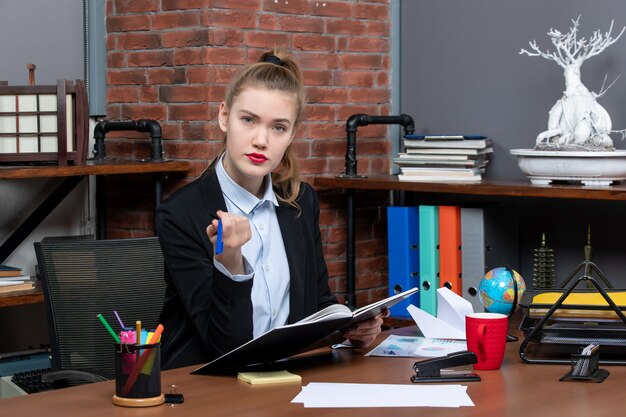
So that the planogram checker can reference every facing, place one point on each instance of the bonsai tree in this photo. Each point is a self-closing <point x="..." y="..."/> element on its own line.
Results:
<point x="576" y="121"/>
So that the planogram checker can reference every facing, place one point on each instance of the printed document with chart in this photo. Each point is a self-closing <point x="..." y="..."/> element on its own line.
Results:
<point x="440" y="335"/>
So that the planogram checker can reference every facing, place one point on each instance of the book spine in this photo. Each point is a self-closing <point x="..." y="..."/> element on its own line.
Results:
<point x="403" y="247"/>
<point x="429" y="257"/>
<point x="446" y="137"/>
<point x="450" y="248"/>
<point x="459" y="144"/>
<point x="444" y="179"/>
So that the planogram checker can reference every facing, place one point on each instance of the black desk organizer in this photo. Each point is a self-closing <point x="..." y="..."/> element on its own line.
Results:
<point x="568" y="335"/>
<point x="585" y="368"/>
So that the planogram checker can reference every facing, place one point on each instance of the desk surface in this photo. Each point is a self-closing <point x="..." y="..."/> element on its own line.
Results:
<point x="516" y="389"/>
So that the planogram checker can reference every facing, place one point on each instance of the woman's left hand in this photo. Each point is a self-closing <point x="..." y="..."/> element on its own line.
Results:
<point x="364" y="333"/>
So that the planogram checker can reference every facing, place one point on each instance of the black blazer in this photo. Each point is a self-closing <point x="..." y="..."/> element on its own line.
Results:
<point x="206" y="314"/>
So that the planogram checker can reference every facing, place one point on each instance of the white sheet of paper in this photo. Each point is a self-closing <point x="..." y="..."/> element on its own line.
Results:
<point x="11" y="282"/>
<point x="432" y="327"/>
<point x="326" y="395"/>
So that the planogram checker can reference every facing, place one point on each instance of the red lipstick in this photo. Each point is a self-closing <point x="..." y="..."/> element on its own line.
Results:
<point x="256" y="158"/>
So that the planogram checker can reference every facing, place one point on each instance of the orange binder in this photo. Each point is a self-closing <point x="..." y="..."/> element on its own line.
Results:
<point x="450" y="248"/>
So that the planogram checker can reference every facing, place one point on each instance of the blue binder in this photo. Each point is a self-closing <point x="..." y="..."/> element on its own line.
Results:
<point x="403" y="246"/>
<point x="429" y="257"/>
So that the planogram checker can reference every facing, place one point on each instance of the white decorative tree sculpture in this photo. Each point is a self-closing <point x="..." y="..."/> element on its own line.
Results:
<point x="576" y="122"/>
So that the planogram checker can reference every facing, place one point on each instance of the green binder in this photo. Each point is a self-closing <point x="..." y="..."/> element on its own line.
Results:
<point x="429" y="257"/>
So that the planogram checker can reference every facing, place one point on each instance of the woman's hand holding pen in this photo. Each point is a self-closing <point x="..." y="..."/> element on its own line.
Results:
<point x="235" y="232"/>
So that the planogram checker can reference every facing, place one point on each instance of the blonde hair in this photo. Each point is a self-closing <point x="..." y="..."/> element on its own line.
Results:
<point x="275" y="70"/>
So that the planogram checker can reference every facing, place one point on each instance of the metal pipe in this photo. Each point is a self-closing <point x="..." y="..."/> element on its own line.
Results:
<point x="158" y="189"/>
<point x="361" y="119"/>
<point x="350" y="250"/>
<point x="352" y="125"/>
<point x="143" y="125"/>
<point x="99" y="133"/>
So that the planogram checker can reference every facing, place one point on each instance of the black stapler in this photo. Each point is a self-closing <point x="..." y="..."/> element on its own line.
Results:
<point x="442" y="369"/>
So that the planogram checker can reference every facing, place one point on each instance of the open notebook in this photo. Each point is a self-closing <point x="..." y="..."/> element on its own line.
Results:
<point x="327" y="325"/>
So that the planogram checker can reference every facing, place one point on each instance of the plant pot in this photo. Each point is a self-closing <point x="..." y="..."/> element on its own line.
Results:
<point x="589" y="168"/>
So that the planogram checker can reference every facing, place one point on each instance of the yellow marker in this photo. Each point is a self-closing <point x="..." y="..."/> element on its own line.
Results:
<point x="152" y="339"/>
<point x="138" y="332"/>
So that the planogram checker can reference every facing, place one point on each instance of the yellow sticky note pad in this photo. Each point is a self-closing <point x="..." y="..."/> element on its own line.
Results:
<point x="268" y="377"/>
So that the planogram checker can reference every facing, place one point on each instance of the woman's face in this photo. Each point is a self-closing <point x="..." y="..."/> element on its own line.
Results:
<point x="259" y="127"/>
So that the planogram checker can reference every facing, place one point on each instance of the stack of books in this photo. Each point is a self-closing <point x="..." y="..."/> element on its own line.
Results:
<point x="444" y="158"/>
<point x="11" y="279"/>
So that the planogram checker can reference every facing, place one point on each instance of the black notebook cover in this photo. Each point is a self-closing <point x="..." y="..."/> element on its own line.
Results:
<point x="284" y="341"/>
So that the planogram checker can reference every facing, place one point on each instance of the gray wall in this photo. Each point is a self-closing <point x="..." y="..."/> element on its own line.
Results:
<point x="47" y="33"/>
<point x="461" y="71"/>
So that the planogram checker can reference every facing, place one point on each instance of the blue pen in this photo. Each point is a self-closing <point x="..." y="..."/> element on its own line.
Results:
<point x="219" y="243"/>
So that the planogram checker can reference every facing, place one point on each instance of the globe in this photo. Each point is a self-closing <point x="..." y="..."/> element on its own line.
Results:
<point x="496" y="290"/>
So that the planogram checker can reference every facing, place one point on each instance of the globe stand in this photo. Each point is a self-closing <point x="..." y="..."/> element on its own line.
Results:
<point x="510" y="337"/>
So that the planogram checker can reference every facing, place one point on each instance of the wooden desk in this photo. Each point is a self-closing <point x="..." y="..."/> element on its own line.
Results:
<point x="516" y="390"/>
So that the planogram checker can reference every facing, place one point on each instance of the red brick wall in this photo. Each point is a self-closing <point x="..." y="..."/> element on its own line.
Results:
<point x="170" y="60"/>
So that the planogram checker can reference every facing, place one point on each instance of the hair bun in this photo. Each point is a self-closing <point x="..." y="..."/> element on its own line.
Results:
<point x="273" y="59"/>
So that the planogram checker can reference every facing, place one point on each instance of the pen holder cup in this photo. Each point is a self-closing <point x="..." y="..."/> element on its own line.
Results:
<point x="138" y="375"/>
<point x="585" y="368"/>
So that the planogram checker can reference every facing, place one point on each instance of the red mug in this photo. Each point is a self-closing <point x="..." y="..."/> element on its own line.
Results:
<point x="486" y="337"/>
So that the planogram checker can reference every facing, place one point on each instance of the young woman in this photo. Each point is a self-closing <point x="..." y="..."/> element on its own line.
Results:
<point x="271" y="270"/>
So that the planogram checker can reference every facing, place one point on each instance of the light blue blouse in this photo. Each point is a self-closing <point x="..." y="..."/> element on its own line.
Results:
<point x="265" y="260"/>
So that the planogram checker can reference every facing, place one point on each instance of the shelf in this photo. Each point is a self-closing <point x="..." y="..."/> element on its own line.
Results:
<point x="106" y="167"/>
<point x="497" y="187"/>
<point x="17" y="298"/>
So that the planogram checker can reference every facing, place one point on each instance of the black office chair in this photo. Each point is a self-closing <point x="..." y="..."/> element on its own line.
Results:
<point x="84" y="278"/>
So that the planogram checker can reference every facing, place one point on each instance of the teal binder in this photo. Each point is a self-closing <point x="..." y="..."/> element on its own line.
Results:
<point x="429" y="257"/>
<point x="403" y="259"/>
